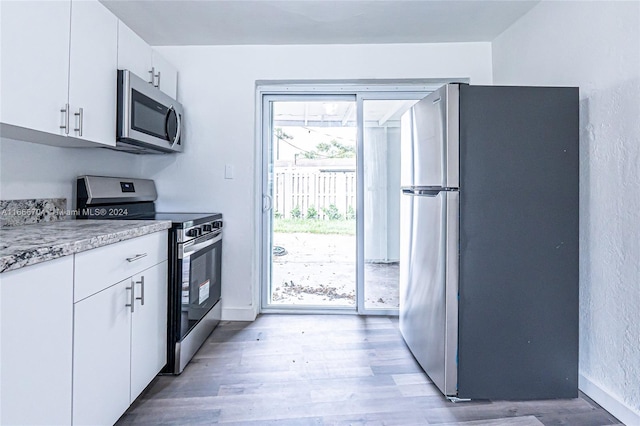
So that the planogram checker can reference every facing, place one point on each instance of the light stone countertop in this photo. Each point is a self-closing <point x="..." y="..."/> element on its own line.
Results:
<point x="30" y="244"/>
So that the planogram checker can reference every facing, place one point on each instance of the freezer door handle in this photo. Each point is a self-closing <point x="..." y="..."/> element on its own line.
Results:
<point x="428" y="192"/>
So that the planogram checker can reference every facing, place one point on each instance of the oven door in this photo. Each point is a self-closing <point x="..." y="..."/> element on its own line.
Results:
<point x="200" y="276"/>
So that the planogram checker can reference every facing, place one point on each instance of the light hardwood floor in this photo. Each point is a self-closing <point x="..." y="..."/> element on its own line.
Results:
<point x="326" y="370"/>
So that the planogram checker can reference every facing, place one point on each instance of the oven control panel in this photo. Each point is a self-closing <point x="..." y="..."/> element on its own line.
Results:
<point x="201" y="229"/>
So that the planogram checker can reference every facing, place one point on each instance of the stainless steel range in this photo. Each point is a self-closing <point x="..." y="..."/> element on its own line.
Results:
<point x="195" y="254"/>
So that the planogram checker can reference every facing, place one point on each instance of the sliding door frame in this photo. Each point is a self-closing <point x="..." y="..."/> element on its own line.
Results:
<point x="360" y="92"/>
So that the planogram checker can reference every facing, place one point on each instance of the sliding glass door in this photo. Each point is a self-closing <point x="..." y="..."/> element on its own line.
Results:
<point x="380" y="219"/>
<point x="310" y="210"/>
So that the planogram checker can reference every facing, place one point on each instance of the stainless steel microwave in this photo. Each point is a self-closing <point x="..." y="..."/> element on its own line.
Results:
<point x="148" y="120"/>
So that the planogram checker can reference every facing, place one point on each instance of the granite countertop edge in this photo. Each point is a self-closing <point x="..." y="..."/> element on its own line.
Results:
<point x="90" y="240"/>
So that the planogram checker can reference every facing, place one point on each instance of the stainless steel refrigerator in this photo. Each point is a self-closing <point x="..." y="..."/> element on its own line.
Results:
<point x="489" y="240"/>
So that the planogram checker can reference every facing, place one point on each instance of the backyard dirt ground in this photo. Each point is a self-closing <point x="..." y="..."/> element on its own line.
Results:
<point x="320" y="269"/>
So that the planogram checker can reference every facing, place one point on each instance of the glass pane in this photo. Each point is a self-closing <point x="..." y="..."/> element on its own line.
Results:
<point x="148" y="115"/>
<point x="381" y="173"/>
<point x="314" y="203"/>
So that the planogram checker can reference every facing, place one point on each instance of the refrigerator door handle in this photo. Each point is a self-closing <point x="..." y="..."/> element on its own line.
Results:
<point x="428" y="192"/>
<point x="425" y="192"/>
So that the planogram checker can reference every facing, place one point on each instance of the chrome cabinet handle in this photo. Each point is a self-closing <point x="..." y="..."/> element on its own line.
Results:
<point x="132" y="297"/>
<point x="141" y="298"/>
<point x="136" y="257"/>
<point x="154" y="75"/>
<point x="80" y="115"/>
<point x="65" y="126"/>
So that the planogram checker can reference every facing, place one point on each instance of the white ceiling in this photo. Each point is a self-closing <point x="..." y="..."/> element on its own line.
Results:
<point x="233" y="22"/>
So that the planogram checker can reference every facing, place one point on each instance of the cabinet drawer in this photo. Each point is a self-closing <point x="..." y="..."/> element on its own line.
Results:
<point x="100" y="268"/>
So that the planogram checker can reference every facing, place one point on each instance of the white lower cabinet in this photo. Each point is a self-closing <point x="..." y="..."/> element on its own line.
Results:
<point x="120" y="345"/>
<point x="101" y="356"/>
<point x="82" y="336"/>
<point x="149" y="329"/>
<point x="36" y="323"/>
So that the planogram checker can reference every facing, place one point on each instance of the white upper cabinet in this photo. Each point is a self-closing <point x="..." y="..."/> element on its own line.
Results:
<point x="58" y="71"/>
<point x="165" y="75"/>
<point x="92" y="72"/>
<point x="134" y="54"/>
<point x="35" y="66"/>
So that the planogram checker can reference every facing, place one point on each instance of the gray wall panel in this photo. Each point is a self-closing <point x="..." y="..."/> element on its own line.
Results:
<point x="518" y="242"/>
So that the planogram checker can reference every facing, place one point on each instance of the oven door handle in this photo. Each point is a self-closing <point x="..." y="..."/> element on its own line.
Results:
<point x="190" y="247"/>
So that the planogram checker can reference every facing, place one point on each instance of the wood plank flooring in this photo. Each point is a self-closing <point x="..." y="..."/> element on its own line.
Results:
<point x="326" y="370"/>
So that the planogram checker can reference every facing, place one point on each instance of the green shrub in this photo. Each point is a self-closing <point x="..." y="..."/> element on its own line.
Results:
<point x="351" y="214"/>
<point x="312" y="213"/>
<point x="295" y="213"/>
<point x="332" y="212"/>
<point x="277" y="214"/>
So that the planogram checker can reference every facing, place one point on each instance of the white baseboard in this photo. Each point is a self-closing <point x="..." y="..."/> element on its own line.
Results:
<point x="239" y="314"/>
<point x="609" y="402"/>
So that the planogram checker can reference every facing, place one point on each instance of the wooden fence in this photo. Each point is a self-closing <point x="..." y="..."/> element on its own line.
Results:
<point x="296" y="189"/>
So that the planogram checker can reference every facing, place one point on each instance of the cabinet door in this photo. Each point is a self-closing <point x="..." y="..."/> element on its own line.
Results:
<point x="149" y="327"/>
<point x="134" y="54"/>
<point x="167" y="80"/>
<point x="36" y="329"/>
<point x="35" y="67"/>
<point x="92" y="72"/>
<point x="101" y="356"/>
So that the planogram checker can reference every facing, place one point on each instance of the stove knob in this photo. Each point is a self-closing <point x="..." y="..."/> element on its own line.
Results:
<point x="207" y="228"/>
<point x="193" y="232"/>
<point x="217" y="224"/>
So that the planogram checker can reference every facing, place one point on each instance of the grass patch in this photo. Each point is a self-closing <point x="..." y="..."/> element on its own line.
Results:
<point x="310" y="226"/>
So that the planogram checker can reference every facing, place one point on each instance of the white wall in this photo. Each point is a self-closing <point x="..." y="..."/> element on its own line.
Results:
<point x="596" y="46"/>
<point x="217" y="86"/>
<point x="30" y="170"/>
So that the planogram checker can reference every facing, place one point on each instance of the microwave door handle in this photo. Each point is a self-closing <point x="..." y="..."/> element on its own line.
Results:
<point x="178" y="125"/>
<point x="179" y="132"/>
